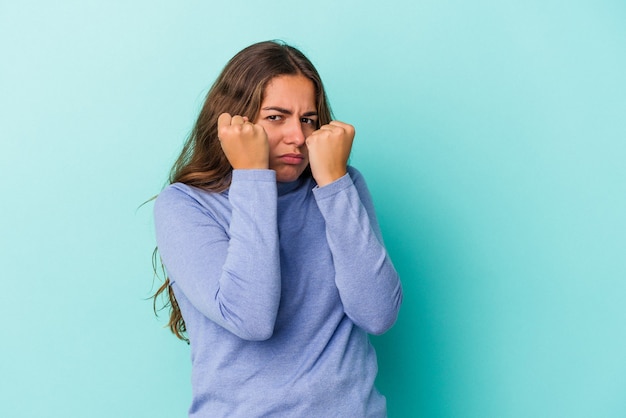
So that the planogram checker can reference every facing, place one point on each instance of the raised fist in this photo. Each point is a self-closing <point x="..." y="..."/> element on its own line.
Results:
<point x="244" y="143"/>
<point x="329" y="149"/>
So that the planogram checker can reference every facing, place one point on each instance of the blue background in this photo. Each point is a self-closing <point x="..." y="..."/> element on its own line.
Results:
<point x="492" y="135"/>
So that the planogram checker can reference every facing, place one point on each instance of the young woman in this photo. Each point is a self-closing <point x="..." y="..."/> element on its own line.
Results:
<point x="275" y="261"/>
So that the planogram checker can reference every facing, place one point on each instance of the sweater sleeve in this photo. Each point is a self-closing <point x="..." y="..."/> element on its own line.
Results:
<point x="231" y="275"/>
<point x="368" y="284"/>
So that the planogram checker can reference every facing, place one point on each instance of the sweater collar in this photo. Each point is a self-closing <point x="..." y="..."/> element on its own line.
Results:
<point x="286" y="187"/>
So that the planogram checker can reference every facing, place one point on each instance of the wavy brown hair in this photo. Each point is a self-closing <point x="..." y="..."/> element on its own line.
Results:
<point x="238" y="90"/>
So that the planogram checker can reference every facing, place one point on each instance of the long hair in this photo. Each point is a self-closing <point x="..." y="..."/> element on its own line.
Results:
<point x="238" y="90"/>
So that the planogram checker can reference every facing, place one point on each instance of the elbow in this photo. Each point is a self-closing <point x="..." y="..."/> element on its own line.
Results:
<point x="378" y="321"/>
<point x="381" y="324"/>
<point x="250" y="320"/>
<point x="375" y="323"/>
<point x="256" y="337"/>
<point x="257" y="333"/>
<point x="254" y="329"/>
<point x="255" y="325"/>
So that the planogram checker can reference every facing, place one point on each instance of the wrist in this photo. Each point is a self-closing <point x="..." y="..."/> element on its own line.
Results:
<point x="257" y="165"/>
<point x="326" y="179"/>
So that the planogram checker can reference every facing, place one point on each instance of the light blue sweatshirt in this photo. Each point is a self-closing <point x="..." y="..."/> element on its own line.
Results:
<point x="279" y="285"/>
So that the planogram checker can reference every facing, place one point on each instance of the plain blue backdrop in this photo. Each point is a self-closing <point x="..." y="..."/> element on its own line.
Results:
<point x="492" y="135"/>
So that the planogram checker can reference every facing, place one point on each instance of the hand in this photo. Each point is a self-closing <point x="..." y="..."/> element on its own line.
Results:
<point x="329" y="148"/>
<point x="244" y="143"/>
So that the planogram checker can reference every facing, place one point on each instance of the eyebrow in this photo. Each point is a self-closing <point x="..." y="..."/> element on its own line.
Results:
<point x="287" y="112"/>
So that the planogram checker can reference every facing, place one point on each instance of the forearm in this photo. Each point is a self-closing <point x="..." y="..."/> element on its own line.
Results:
<point x="249" y="287"/>
<point x="228" y="268"/>
<point x="368" y="283"/>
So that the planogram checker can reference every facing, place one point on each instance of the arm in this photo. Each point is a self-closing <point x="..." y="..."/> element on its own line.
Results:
<point x="368" y="284"/>
<point x="230" y="274"/>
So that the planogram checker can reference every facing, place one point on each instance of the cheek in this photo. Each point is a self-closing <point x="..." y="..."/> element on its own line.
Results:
<point x="308" y="130"/>
<point x="274" y="143"/>
<point x="273" y="137"/>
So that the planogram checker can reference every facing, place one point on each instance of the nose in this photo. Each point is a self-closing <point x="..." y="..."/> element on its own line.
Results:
<point x="294" y="134"/>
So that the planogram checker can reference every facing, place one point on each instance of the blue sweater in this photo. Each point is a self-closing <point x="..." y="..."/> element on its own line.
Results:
<point x="279" y="284"/>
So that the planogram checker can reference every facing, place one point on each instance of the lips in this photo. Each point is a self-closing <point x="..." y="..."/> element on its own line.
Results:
<point x="291" y="158"/>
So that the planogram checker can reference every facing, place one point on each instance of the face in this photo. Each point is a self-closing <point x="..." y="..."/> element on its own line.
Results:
<point x="288" y="114"/>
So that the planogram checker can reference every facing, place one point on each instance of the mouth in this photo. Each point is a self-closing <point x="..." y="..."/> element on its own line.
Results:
<point x="292" y="159"/>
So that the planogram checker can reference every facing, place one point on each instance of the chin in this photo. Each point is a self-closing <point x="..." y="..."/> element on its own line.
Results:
<point x="288" y="175"/>
<point x="286" y="179"/>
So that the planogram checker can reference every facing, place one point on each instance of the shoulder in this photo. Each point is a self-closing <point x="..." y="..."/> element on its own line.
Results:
<point x="361" y="186"/>
<point x="178" y="197"/>
<point x="353" y="179"/>
<point x="357" y="178"/>
<point x="173" y="194"/>
<point x="354" y="173"/>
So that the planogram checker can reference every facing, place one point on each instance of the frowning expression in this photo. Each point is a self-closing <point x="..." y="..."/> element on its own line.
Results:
<point x="289" y="115"/>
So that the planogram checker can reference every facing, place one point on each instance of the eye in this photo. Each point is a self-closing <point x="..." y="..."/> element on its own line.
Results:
<point x="308" y="121"/>
<point x="274" y="118"/>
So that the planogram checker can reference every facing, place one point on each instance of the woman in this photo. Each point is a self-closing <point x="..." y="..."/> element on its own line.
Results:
<point x="276" y="266"/>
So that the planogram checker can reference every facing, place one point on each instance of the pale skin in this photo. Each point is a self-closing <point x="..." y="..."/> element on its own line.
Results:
<point x="284" y="137"/>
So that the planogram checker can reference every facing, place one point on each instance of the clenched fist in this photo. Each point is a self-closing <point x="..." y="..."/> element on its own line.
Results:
<point x="329" y="149"/>
<point x="243" y="142"/>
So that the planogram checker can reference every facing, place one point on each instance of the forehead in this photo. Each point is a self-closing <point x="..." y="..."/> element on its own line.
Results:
<point x="286" y="89"/>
